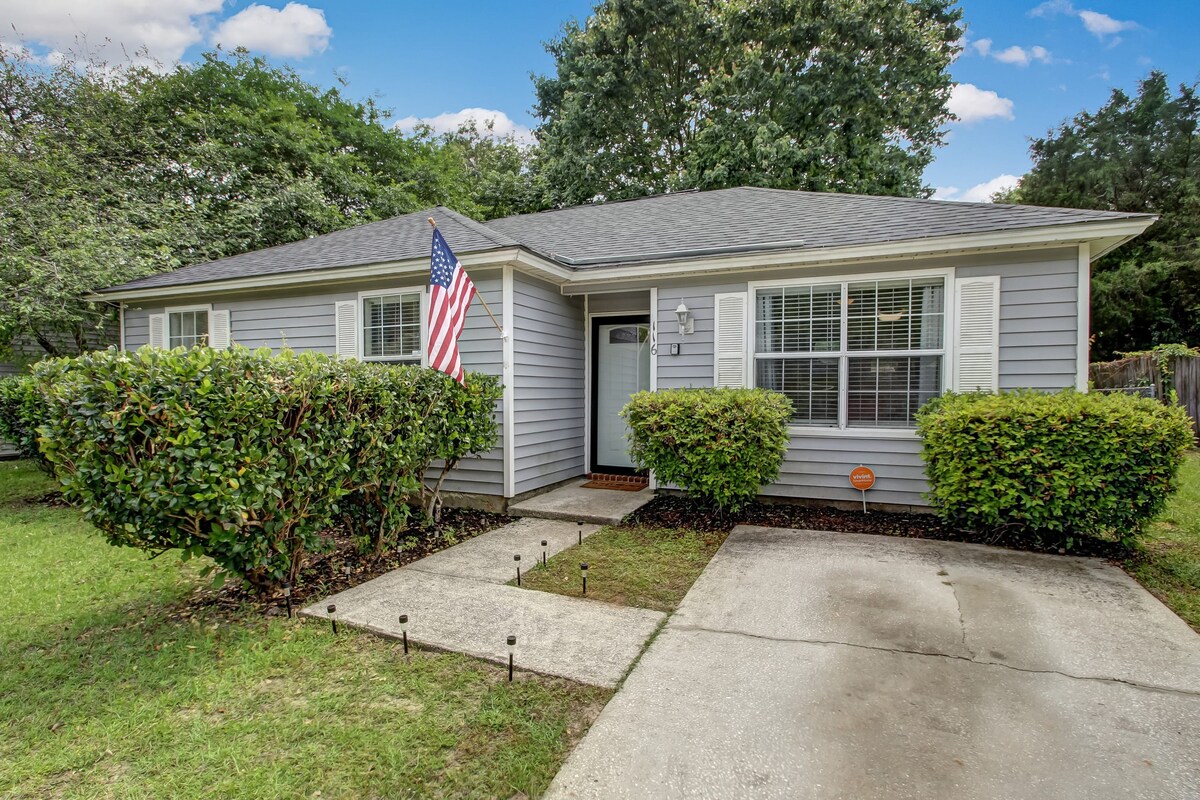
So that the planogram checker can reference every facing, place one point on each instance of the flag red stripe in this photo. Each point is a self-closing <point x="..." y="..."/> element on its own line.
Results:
<point x="447" y="319"/>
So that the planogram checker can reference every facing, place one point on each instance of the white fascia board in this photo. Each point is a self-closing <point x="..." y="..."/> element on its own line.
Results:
<point x="1031" y="238"/>
<point x="336" y="275"/>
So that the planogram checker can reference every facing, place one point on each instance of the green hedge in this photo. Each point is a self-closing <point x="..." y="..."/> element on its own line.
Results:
<point x="1087" y="464"/>
<point x="22" y="411"/>
<point x="245" y="456"/>
<point x="720" y="445"/>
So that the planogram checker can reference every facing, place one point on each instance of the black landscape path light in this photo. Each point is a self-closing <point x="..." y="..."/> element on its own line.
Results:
<point x="512" y="643"/>
<point x="543" y="552"/>
<point x="583" y="572"/>
<point x="580" y="524"/>
<point x="332" y="609"/>
<point x="517" y="558"/>
<point x="404" y="631"/>
<point x="287" y="597"/>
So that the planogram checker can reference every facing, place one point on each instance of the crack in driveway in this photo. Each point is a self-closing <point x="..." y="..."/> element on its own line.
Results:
<point x="1149" y="687"/>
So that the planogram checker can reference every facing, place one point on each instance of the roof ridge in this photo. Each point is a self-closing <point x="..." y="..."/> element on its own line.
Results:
<point x="602" y="203"/>
<point x="495" y="237"/>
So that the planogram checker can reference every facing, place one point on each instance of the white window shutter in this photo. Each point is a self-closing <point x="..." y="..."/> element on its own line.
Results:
<point x="218" y="329"/>
<point x="346" y="313"/>
<point x="158" y="330"/>
<point x="730" y="334"/>
<point x="977" y="334"/>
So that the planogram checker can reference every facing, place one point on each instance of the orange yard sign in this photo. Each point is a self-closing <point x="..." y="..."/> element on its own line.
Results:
<point x="862" y="478"/>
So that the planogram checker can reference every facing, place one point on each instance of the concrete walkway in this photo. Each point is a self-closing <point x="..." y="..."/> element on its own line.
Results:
<point x="456" y="600"/>
<point x="573" y="502"/>
<point x="819" y="665"/>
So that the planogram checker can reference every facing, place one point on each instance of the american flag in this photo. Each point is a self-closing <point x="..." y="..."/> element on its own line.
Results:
<point x="450" y="294"/>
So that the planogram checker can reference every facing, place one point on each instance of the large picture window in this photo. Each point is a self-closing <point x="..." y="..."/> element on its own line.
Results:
<point x="392" y="327"/>
<point x="852" y="354"/>
<point x="187" y="327"/>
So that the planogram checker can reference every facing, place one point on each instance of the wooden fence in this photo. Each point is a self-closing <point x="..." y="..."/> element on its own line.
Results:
<point x="1141" y="374"/>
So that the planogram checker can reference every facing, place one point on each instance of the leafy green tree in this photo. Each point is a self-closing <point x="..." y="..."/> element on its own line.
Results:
<point x="78" y="207"/>
<point x="109" y="174"/>
<point x="1134" y="154"/>
<point x="828" y="95"/>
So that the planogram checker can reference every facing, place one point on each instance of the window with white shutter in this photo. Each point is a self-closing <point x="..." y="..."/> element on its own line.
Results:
<point x="158" y="328"/>
<point x="977" y="334"/>
<point x="219" y="333"/>
<point x="730" y="344"/>
<point x="346" y="325"/>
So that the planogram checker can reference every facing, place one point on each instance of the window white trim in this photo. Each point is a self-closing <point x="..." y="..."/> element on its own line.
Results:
<point x="168" y="311"/>
<point x="843" y="430"/>
<point x="361" y="334"/>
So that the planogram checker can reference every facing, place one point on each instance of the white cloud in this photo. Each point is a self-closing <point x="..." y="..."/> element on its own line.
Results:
<point x="1012" y="55"/>
<point x="1022" y="57"/>
<point x="1097" y="24"/>
<point x="502" y="124"/>
<point x="164" y="29"/>
<point x="971" y="104"/>
<point x="294" y="31"/>
<point x="1101" y="25"/>
<point x="979" y="193"/>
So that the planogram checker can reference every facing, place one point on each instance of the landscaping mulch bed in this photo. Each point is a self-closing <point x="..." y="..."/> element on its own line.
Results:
<point x="679" y="511"/>
<point x="344" y="566"/>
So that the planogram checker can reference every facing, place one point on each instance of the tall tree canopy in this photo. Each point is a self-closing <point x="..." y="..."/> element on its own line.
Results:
<point x="107" y="175"/>
<point x="828" y="95"/>
<point x="1134" y="154"/>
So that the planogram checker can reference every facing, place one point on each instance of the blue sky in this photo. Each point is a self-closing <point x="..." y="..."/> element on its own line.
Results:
<point x="1027" y="65"/>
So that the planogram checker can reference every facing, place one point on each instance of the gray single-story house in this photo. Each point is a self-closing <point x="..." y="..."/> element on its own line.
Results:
<point x="858" y="308"/>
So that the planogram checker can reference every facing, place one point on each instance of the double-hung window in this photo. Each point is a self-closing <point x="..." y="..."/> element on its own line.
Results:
<point x="392" y="326"/>
<point x="855" y="353"/>
<point x="187" y="327"/>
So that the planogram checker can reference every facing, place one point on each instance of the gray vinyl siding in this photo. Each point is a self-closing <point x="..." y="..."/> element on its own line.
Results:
<point x="619" y="303"/>
<point x="1037" y="350"/>
<point x="137" y="327"/>
<point x="304" y="321"/>
<point x="1038" y="320"/>
<point x="548" y="375"/>
<point x="693" y="367"/>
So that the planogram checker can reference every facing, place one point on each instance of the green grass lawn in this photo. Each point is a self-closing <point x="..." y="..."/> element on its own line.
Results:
<point x="1169" y="558"/>
<point x="631" y="566"/>
<point x="110" y="687"/>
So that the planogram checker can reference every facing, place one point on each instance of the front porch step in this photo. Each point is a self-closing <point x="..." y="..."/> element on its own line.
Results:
<point x="573" y="503"/>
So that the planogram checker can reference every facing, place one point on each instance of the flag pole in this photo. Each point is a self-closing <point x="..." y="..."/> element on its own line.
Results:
<point x="486" y="307"/>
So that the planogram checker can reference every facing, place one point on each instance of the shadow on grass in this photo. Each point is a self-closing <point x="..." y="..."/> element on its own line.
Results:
<point x="115" y="693"/>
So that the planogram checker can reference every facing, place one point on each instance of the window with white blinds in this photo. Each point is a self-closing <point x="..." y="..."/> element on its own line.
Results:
<point x="852" y="354"/>
<point x="391" y="327"/>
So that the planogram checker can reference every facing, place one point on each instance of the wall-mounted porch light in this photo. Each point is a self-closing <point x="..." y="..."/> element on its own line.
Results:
<point x="687" y="325"/>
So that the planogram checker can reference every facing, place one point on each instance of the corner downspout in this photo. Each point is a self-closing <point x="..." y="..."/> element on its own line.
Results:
<point x="507" y="376"/>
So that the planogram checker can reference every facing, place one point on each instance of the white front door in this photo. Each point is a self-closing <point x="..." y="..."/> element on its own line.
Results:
<point x="622" y="367"/>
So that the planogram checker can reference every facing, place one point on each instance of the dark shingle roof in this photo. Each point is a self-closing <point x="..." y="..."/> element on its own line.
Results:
<point x="396" y="239"/>
<point x="587" y="237"/>
<point x="659" y="227"/>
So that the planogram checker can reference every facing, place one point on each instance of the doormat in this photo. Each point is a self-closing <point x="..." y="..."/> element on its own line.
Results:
<point x="622" y="483"/>
<point x="620" y="486"/>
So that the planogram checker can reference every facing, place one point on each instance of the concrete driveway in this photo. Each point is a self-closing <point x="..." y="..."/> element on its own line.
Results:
<point x="818" y="665"/>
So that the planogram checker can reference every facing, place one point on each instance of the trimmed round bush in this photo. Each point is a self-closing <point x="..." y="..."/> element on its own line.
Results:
<point x="22" y="412"/>
<point x="245" y="456"/>
<point x="1088" y="464"/>
<point x="719" y="445"/>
